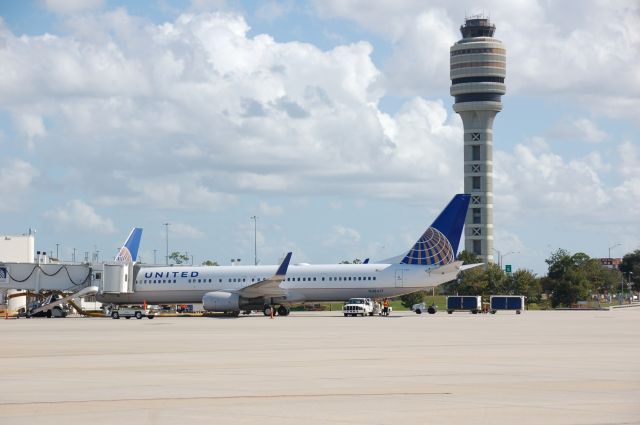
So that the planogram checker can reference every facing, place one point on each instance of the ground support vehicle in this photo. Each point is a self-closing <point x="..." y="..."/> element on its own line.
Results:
<point x="422" y="307"/>
<point x="506" y="302"/>
<point x="132" y="311"/>
<point x="470" y="303"/>
<point x="358" y="307"/>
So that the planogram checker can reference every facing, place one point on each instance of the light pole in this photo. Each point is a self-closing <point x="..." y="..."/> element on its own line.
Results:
<point x="57" y="254"/>
<point x="74" y="255"/>
<point x="255" y="239"/>
<point x="611" y="266"/>
<point x="499" y="258"/>
<point x="166" y="225"/>
<point x="510" y="252"/>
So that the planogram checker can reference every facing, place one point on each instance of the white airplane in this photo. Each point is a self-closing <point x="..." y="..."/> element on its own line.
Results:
<point x="231" y="289"/>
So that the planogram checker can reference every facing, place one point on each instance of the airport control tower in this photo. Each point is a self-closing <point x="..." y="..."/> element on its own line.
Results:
<point x="478" y="69"/>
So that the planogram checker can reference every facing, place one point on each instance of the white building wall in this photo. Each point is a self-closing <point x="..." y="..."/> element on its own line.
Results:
<point x="16" y="249"/>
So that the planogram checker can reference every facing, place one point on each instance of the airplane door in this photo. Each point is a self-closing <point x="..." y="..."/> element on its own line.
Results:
<point x="399" y="278"/>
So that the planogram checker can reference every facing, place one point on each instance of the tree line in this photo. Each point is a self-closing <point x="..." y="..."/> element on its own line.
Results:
<point x="570" y="278"/>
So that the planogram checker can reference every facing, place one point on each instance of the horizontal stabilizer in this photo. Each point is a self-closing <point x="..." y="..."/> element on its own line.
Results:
<point x="470" y="266"/>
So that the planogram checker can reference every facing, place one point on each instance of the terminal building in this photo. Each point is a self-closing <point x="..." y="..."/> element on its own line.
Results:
<point x="477" y="72"/>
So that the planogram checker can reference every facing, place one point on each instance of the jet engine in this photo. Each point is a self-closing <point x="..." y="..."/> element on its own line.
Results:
<point x="221" y="301"/>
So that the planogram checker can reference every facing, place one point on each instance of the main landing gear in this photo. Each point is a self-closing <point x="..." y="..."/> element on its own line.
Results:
<point x="281" y="310"/>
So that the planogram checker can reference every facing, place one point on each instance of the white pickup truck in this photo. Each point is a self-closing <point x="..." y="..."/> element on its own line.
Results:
<point x="358" y="307"/>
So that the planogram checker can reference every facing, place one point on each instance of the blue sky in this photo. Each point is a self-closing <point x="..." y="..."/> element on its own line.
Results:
<point x="331" y="121"/>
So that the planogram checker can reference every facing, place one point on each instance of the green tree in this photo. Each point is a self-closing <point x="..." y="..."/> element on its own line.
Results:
<point x="571" y="277"/>
<point x="408" y="300"/>
<point x="630" y="268"/>
<point x="469" y="257"/>
<point x="525" y="282"/>
<point x="210" y="263"/>
<point x="178" y="257"/>
<point x="355" y="261"/>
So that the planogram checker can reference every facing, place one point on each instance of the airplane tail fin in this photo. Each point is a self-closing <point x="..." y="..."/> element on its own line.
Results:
<point x="129" y="252"/>
<point x="439" y="244"/>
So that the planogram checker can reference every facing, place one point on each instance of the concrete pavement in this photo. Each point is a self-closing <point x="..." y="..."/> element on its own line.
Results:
<point x="535" y="368"/>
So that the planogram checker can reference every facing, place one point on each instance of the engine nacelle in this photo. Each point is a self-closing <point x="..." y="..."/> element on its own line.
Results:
<point x="221" y="301"/>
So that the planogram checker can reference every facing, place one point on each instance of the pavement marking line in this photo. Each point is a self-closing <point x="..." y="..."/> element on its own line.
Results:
<point x="229" y="397"/>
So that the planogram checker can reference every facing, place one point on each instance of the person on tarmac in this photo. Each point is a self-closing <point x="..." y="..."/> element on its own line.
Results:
<point x="385" y="304"/>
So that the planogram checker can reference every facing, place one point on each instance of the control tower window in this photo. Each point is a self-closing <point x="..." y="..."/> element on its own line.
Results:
<point x="475" y="182"/>
<point x="477" y="216"/>
<point x="475" y="153"/>
<point x="477" y="247"/>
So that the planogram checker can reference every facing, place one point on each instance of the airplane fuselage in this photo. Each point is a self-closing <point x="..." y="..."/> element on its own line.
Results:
<point x="303" y="283"/>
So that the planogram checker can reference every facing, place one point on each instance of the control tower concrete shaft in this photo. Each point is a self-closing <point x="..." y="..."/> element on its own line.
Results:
<point x="478" y="70"/>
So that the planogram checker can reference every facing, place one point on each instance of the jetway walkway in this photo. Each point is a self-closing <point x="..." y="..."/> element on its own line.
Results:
<point x="43" y="282"/>
<point x="36" y="277"/>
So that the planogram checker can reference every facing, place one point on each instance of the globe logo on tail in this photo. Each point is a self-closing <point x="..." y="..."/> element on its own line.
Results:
<point x="432" y="248"/>
<point x="124" y="256"/>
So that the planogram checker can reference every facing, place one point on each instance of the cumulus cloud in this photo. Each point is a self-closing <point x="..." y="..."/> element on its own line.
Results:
<point x="340" y="236"/>
<point x="16" y="179"/>
<point x="72" y="6"/>
<point x="533" y="182"/>
<point x="77" y="214"/>
<point x="581" y="129"/>
<point x="194" y="112"/>
<point x="553" y="48"/>
<point x="266" y="209"/>
<point x="185" y="231"/>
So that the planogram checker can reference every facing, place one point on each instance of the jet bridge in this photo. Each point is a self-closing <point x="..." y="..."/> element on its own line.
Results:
<point x="69" y="281"/>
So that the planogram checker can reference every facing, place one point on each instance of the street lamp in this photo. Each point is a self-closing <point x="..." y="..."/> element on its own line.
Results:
<point x="166" y="225"/>
<point x="499" y="258"/>
<point x="610" y="248"/>
<point x="510" y="252"/>
<point x="255" y="239"/>
<point x="611" y="267"/>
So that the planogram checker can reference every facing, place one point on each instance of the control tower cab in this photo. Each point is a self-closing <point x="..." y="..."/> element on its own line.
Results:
<point x="477" y="72"/>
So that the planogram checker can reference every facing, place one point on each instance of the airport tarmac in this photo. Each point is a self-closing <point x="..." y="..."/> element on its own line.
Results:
<point x="562" y="367"/>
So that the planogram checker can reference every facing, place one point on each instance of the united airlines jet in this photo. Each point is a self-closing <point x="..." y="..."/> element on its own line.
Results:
<point x="230" y="289"/>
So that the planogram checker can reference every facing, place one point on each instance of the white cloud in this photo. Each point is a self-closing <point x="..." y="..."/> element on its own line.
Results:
<point x="581" y="129"/>
<point x="72" y="6"/>
<point x="265" y="209"/>
<point x="184" y="231"/>
<point x="30" y="127"/>
<point x="16" y="180"/>
<point x="340" y="236"/>
<point x="193" y="113"/>
<point x="533" y="182"/>
<point x="587" y="53"/>
<point x="77" y="214"/>
<point x="272" y="10"/>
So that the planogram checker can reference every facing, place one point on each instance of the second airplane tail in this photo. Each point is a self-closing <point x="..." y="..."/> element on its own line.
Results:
<point x="129" y="251"/>
<point x="439" y="244"/>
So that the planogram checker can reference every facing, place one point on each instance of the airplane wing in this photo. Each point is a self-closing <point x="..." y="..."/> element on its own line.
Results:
<point x="470" y="266"/>
<point x="270" y="286"/>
